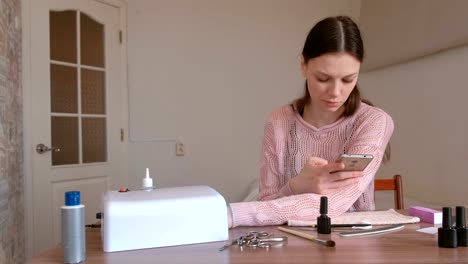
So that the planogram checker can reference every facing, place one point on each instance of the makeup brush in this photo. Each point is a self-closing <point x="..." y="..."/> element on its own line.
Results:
<point x="328" y="243"/>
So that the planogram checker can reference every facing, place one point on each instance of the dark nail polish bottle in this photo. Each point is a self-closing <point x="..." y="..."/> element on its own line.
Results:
<point x="447" y="234"/>
<point x="462" y="231"/>
<point x="323" y="221"/>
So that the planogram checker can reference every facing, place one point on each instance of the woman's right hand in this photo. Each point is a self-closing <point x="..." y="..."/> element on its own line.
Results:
<point x="320" y="177"/>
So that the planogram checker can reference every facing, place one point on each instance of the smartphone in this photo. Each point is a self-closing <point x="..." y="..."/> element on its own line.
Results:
<point x="355" y="162"/>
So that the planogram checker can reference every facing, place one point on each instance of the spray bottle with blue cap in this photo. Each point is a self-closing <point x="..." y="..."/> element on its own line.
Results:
<point x="73" y="229"/>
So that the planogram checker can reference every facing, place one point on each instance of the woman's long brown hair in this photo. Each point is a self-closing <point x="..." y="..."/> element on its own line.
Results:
<point x="335" y="34"/>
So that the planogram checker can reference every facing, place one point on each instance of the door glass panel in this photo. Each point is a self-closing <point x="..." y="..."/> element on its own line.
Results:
<point x="63" y="36"/>
<point x="78" y="89"/>
<point x="63" y="89"/>
<point x="92" y="42"/>
<point x="65" y="137"/>
<point x="92" y="92"/>
<point x="94" y="139"/>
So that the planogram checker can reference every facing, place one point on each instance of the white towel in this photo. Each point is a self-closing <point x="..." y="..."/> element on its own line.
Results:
<point x="387" y="217"/>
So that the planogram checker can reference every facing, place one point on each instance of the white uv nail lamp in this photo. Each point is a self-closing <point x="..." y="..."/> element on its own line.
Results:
<point x="163" y="217"/>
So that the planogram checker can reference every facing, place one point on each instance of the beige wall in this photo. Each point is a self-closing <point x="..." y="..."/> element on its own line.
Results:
<point x="426" y="96"/>
<point x="427" y="99"/>
<point x="208" y="73"/>
<point x="397" y="31"/>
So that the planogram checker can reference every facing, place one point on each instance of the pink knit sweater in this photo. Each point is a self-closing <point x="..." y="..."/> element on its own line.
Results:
<point x="287" y="144"/>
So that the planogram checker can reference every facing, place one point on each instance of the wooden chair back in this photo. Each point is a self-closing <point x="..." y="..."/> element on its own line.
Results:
<point x="395" y="184"/>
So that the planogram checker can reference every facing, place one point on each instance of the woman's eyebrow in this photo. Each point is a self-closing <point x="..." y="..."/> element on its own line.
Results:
<point x="351" y="75"/>
<point x="346" y="76"/>
<point x="322" y="73"/>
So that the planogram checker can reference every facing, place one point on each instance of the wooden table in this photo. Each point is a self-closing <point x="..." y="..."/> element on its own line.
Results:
<point x="402" y="246"/>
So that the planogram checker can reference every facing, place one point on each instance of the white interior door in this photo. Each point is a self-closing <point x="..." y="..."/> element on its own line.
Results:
<point x="77" y="94"/>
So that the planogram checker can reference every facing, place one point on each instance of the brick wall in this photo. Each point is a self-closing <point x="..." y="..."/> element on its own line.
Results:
<point x="12" y="244"/>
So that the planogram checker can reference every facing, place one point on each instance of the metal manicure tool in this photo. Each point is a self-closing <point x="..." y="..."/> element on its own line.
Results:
<point x="255" y="239"/>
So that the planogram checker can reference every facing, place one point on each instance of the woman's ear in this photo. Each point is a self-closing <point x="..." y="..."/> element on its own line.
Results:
<point x="303" y="67"/>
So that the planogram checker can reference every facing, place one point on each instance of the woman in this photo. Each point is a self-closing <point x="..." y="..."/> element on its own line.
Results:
<point x="303" y="140"/>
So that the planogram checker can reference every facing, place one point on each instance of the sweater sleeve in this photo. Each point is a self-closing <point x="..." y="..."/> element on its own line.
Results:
<point x="272" y="182"/>
<point x="370" y="135"/>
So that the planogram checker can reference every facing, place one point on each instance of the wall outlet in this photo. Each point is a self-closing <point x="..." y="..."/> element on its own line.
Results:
<point x="179" y="149"/>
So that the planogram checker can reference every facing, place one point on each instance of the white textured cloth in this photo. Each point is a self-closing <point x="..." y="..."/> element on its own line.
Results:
<point x="289" y="141"/>
<point x="388" y="217"/>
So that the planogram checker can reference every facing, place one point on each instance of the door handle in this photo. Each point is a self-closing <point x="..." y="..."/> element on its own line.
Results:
<point x="41" y="148"/>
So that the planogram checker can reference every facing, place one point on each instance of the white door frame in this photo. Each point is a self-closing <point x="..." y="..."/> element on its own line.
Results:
<point x="28" y="148"/>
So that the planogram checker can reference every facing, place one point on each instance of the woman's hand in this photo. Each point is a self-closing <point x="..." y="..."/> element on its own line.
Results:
<point x="320" y="177"/>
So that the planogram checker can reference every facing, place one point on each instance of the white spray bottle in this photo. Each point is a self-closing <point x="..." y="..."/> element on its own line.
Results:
<point x="147" y="181"/>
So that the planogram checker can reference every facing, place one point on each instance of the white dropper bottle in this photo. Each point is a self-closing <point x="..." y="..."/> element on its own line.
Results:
<point x="147" y="181"/>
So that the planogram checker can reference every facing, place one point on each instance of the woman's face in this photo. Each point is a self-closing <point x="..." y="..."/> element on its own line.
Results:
<point x="331" y="78"/>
